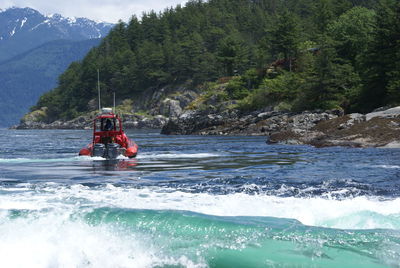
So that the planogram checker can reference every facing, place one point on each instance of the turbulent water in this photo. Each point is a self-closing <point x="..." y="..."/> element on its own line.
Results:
<point x="193" y="201"/>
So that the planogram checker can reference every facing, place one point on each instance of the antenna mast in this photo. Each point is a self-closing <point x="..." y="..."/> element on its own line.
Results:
<point x="114" y="101"/>
<point x="98" y="88"/>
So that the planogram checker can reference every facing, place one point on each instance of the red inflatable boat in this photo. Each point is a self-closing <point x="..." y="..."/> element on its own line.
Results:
<point x="109" y="140"/>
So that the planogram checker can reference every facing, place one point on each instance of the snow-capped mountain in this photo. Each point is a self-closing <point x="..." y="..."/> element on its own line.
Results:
<point x="34" y="50"/>
<point x="22" y="29"/>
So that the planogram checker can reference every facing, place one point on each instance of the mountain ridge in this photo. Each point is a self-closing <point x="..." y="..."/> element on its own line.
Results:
<point x="34" y="50"/>
<point x="26" y="28"/>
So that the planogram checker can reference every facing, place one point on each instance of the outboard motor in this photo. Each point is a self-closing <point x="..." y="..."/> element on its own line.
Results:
<point x="112" y="150"/>
<point x="99" y="150"/>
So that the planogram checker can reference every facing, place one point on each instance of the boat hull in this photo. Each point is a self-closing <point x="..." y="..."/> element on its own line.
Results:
<point x="109" y="152"/>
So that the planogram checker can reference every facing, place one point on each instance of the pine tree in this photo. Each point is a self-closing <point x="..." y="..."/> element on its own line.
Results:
<point x="285" y="37"/>
<point x="381" y="65"/>
<point x="328" y="81"/>
<point x="353" y="33"/>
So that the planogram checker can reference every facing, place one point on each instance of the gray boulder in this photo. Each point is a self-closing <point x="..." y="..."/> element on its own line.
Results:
<point x="389" y="113"/>
<point x="170" y="108"/>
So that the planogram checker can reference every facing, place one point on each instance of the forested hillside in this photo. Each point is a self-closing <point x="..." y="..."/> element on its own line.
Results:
<point x="295" y="54"/>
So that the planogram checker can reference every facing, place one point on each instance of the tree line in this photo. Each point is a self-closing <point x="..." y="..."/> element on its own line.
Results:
<point x="299" y="54"/>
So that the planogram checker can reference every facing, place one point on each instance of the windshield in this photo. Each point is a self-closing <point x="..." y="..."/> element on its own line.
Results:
<point x="107" y="124"/>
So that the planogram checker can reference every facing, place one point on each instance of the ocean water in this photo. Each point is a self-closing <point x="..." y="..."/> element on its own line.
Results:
<point x="194" y="201"/>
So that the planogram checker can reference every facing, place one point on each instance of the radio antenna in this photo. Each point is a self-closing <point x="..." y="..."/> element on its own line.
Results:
<point x="114" y="101"/>
<point x="98" y="88"/>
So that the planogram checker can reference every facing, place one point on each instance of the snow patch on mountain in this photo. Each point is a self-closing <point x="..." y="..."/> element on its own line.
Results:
<point x="12" y="32"/>
<point x="23" y="22"/>
<point x="22" y="29"/>
<point x="17" y="21"/>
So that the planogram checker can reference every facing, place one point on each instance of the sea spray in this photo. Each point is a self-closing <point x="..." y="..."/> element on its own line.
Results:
<point x="355" y="213"/>
<point x="107" y="237"/>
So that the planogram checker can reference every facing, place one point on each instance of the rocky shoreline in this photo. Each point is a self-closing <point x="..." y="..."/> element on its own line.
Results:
<point x="86" y="122"/>
<point x="317" y="128"/>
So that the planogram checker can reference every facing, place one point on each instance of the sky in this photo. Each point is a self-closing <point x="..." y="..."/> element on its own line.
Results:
<point x="99" y="10"/>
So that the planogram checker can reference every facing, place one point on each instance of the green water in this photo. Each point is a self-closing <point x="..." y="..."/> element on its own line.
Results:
<point x="253" y="241"/>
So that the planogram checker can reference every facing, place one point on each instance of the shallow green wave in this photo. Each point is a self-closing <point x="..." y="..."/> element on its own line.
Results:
<point x="254" y="241"/>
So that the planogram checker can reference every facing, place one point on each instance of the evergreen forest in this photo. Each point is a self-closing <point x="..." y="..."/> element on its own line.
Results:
<point x="295" y="54"/>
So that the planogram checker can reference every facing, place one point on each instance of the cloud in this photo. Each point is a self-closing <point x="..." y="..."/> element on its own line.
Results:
<point x="102" y="10"/>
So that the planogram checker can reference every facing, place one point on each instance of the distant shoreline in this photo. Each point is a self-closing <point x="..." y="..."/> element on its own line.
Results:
<point x="318" y="128"/>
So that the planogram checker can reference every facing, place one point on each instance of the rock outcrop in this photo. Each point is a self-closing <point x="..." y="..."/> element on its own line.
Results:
<point x="377" y="129"/>
<point x="139" y="121"/>
<point x="231" y="122"/>
<point x="317" y="128"/>
<point x="199" y="122"/>
<point x="170" y="108"/>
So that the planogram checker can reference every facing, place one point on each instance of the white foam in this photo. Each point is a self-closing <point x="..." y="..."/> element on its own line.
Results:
<point x="28" y="160"/>
<point x="14" y="160"/>
<point x="44" y="160"/>
<point x="354" y="213"/>
<point x="56" y="241"/>
<point x="98" y="158"/>
<point x="388" y="166"/>
<point x="177" y="155"/>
